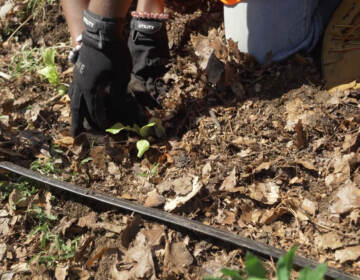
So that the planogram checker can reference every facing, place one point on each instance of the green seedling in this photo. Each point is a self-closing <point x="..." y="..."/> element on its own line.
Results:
<point x="44" y="167"/>
<point x="26" y="189"/>
<point x="49" y="70"/>
<point x="53" y="248"/>
<point x="86" y="160"/>
<point x="25" y="61"/>
<point x="41" y="216"/>
<point x="142" y="145"/>
<point x="255" y="270"/>
<point x="150" y="173"/>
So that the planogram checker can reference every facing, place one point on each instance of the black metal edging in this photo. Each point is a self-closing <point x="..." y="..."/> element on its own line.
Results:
<point x="169" y="218"/>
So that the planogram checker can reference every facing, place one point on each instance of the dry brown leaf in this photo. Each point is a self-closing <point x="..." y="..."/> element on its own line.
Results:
<point x="155" y="235"/>
<point x="110" y="227"/>
<point x="351" y="142"/>
<point x="96" y="257"/>
<point x="154" y="199"/>
<point x="18" y="200"/>
<point x="329" y="240"/>
<point x="342" y="169"/>
<point x="307" y="165"/>
<point x="31" y="115"/>
<point x="267" y="193"/>
<point x="348" y="254"/>
<point x="273" y="214"/>
<point x="355" y="217"/>
<point x="65" y="141"/>
<point x="229" y="183"/>
<point x="64" y="225"/>
<point x="98" y="155"/>
<point x="182" y="185"/>
<point x="230" y="217"/>
<point x="81" y="273"/>
<point x="141" y="256"/>
<point x="3" y="249"/>
<point x="88" y="220"/>
<point x="178" y="201"/>
<point x="263" y="166"/>
<point x="130" y="231"/>
<point x="205" y="173"/>
<point x="297" y="110"/>
<point x="244" y="141"/>
<point x="347" y="199"/>
<point x="309" y="206"/>
<point x="300" y="135"/>
<point x="61" y="272"/>
<point x="296" y="181"/>
<point x="180" y="256"/>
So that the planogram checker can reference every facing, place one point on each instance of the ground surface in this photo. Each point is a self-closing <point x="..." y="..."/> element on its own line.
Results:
<point x="266" y="151"/>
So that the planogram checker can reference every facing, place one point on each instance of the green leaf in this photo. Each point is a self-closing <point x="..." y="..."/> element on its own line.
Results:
<point x="233" y="274"/>
<point x="212" y="278"/>
<point x="254" y="267"/>
<point x="86" y="160"/>
<point x="49" y="57"/>
<point x="284" y="265"/>
<point x="50" y="73"/>
<point x="142" y="146"/>
<point x="62" y="89"/>
<point x="144" y="131"/>
<point x="116" y="128"/>
<point x="317" y="274"/>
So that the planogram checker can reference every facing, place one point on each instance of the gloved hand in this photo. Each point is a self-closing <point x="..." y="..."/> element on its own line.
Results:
<point x="148" y="44"/>
<point x="101" y="75"/>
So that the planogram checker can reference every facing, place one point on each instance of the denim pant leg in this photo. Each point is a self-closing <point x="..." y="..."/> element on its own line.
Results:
<point x="277" y="27"/>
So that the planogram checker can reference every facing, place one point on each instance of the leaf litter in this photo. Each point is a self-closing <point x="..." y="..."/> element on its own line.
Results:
<point x="276" y="161"/>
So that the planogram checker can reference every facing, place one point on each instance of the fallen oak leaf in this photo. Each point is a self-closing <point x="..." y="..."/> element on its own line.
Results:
<point x="267" y="193"/>
<point x="347" y="199"/>
<point x="172" y="204"/>
<point x="230" y="182"/>
<point x="348" y="254"/>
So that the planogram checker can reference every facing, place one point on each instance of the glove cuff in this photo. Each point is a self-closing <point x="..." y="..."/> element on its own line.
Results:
<point x="147" y="26"/>
<point x="101" y="30"/>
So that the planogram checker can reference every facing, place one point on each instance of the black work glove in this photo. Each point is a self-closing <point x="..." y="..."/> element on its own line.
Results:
<point x="101" y="75"/>
<point x="148" y="44"/>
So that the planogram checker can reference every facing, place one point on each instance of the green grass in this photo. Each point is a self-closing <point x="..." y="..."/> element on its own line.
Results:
<point x="26" y="189"/>
<point x="45" y="167"/>
<point x="255" y="270"/>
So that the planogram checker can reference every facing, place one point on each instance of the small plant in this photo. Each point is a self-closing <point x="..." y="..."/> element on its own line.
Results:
<point x="53" y="248"/>
<point x="26" y="189"/>
<point x="25" y="61"/>
<point x="255" y="270"/>
<point x="142" y="145"/>
<point x="150" y="173"/>
<point x="49" y="71"/>
<point x="45" y="167"/>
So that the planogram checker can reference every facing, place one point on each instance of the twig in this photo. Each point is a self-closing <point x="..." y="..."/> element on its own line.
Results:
<point x="5" y="76"/>
<point x="19" y="27"/>
<point x="333" y="229"/>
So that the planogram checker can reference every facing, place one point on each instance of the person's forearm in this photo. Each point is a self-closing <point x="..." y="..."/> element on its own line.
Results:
<point x="150" y="6"/>
<point x="73" y="11"/>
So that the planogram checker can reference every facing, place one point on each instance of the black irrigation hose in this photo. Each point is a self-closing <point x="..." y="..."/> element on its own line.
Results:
<point x="169" y="218"/>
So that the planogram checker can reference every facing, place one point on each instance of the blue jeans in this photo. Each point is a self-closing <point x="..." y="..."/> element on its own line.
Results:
<point x="277" y="29"/>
